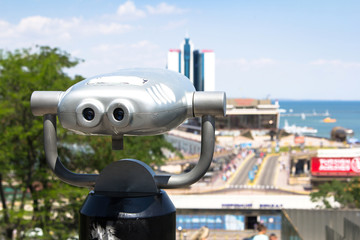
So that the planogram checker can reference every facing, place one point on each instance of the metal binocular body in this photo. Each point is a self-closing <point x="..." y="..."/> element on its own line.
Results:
<point x="129" y="102"/>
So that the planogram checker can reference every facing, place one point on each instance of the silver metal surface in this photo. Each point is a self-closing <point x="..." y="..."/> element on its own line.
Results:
<point x="53" y="161"/>
<point x="209" y="103"/>
<point x="129" y="102"/>
<point x="45" y="102"/>
<point x="162" y="181"/>
<point x="206" y="155"/>
<point x="153" y="101"/>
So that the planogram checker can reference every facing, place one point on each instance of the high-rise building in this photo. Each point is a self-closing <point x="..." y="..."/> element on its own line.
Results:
<point x="187" y="59"/>
<point x="197" y="65"/>
<point x="208" y="61"/>
<point x="174" y="60"/>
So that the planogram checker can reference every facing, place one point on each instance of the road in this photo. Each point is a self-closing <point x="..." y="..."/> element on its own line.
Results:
<point x="268" y="172"/>
<point x="243" y="177"/>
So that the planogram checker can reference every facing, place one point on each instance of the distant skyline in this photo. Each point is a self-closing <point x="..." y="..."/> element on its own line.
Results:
<point x="277" y="49"/>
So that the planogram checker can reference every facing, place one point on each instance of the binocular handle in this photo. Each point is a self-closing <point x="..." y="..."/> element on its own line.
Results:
<point x="206" y="156"/>
<point x="162" y="181"/>
<point x="53" y="160"/>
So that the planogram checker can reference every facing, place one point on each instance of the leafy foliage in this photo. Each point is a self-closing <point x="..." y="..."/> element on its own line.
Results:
<point x="23" y="166"/>
<point x="347" y="194"/>
<point x="35" y="198"/>
<point x="98" y="151"/>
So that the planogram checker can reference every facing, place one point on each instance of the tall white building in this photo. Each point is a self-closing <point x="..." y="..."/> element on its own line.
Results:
<point x="198" y="66"/>
<point x="209" y="67"/>
<point x="174" y="60"/>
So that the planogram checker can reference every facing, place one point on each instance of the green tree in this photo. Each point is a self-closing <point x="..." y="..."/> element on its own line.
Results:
<point x="22" y="164"/>
<point x="97" y="151"/>
<point x="37" y="197"/>
<point x="346" y="194"/>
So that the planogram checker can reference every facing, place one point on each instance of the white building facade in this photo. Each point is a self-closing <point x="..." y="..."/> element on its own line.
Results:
<point x="198" y="66"/>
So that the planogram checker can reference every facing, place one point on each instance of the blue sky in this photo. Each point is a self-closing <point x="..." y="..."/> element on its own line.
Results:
<point x="282" y="49"/>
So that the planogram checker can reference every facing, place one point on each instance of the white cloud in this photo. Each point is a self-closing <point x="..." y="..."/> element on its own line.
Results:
<point x="5" y="29"/>
<point x="3" y="24"/>
<point x="246" y="64"/>
<point x="43" y="25"/>
<point x="113" y="28"/>
<point x="36" y="28"/>
<point x="107" y="47"/>
<point x="144" y="44"/>
<point x="55" y="31"/>
<point x="175" y="25"/>
<point x="164" y="8"/>
<point x="94" y="39"/>
<point x="262" y="61"/>
<point x="113" y="56"/>
<point x="335" y="63"/>
<point x="129" y="10"/>
<point x="43" y="29"/>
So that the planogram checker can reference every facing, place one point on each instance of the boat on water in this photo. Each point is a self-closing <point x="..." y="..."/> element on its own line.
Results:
<point x="284" y="113"/>
<point x="329" y="120"/>
<point x="293" y="129"/>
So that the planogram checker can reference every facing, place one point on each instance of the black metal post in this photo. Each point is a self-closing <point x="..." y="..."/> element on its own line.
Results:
<point x="126" y="204"/>
<point x="108" y="216"/>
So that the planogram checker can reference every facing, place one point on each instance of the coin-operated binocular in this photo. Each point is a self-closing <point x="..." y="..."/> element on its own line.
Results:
<point x="127" y="201"/>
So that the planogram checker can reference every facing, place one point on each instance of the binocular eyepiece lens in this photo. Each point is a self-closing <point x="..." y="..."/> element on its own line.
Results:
<point x="118" y="114"/>
<point x="88" y="114"/>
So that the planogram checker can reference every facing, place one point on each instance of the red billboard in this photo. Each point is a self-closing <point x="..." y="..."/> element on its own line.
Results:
<point x="340" y="166"/>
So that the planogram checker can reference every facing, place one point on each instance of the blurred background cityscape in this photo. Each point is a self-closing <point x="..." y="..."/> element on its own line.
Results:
<point x="267" y="171"/>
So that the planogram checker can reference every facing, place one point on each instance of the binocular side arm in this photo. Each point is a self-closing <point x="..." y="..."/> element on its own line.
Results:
<point x="162" y="181"/>
<point x="53" y="160"/>
<point x="206" y="156"/>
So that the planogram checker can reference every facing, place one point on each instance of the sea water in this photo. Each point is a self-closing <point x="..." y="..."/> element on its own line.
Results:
<point x="311" y="114"/>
